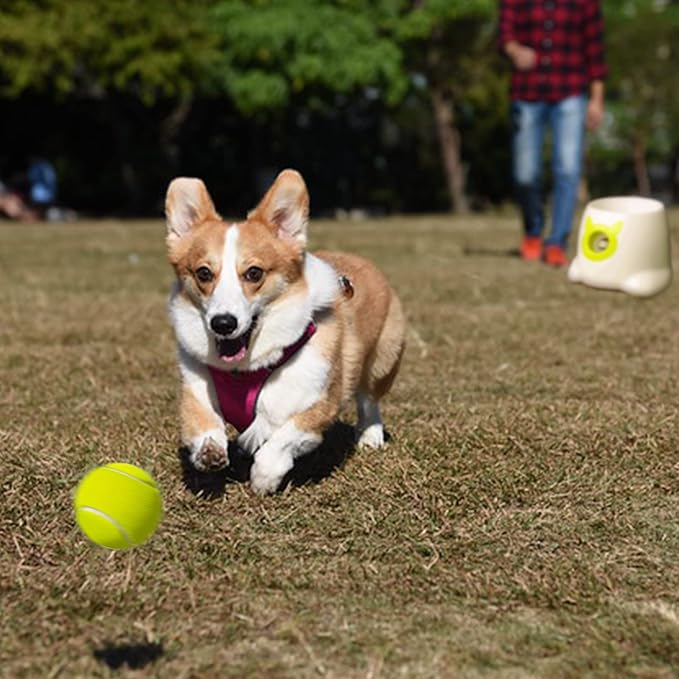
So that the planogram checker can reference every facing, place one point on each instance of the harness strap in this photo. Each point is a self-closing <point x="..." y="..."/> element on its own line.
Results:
<point x="238" y="391"/>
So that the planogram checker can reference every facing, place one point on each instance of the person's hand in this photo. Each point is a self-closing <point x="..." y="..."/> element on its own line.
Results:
<point x="523" y="57"/>
<point x="595" y="113"/>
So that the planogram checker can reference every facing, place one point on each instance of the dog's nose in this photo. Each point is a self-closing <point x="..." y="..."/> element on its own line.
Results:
<point x="224" y="324"/>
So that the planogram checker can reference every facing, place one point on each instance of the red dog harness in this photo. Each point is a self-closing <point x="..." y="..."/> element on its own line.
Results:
<point x="238" y="392"/>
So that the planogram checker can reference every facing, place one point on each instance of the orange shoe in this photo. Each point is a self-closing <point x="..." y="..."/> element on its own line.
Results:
<point x="531" y="248"/>
<point x="555" y="256"/>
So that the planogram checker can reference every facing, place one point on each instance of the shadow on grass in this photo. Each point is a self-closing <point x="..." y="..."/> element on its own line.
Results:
<point x="212" y="485"/>
<point x="135" y="656"/>
<point x="470" y="251"/>
<point x="336" y="448"/>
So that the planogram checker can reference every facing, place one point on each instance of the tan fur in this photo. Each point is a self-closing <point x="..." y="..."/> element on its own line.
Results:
<point x="194" y="417"/>
<point x="363" y="341"/>
<point x="373" y="326"/>
<point x="271" y="254"/>
<point x="203" y="249"/>
<point x="284" y="208"/>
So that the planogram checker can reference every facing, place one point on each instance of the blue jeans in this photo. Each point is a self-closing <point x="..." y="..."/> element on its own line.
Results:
<point x="566" y="122"/>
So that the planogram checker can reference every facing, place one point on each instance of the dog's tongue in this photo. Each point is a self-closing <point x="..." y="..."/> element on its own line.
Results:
<point x="231" y="349"/>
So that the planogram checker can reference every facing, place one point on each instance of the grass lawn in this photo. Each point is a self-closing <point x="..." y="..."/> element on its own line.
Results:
<point x="522" y="521"/>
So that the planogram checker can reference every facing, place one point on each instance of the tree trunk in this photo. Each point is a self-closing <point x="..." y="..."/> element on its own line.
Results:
<point x="449" y="141"/>
<point x="170" y="128"/>
<point x="640" y="164"/>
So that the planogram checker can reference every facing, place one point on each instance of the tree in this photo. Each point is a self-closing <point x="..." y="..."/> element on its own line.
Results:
<point x="445" y="43"/>
<point x="92" y="49"/>
<point x="276" y="49"/>
<point x="286" y="47"/>
<point x="643" y="47"/>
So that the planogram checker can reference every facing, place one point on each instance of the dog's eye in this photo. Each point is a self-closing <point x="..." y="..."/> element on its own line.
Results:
<point x="203" y="274"/>
<point x="254" y="274"/>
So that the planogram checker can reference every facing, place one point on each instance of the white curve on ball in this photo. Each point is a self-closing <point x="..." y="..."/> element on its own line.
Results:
<point x="101" y="514"/>
<point x="130" y="476"/>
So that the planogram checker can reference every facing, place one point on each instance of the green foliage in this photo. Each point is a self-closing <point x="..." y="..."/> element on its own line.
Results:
<point x="435" y="16"/>
<point x="136" y="60"/>
<point x="151" y="48"/>
<point x="635" y="10"/>
<point x="273" y="50"/>
<point x="643" y="48"/>
<point x="447" y="42"/>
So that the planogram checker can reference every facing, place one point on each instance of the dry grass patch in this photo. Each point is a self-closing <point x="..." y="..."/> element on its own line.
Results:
<point x="521" y="523"/>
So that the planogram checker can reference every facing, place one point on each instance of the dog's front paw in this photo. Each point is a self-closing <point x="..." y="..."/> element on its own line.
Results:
<point x="268" y="471"/>
<point x="209" y="452"/>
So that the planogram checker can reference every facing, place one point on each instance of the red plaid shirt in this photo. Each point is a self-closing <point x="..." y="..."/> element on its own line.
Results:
<point x="568" y="38"/>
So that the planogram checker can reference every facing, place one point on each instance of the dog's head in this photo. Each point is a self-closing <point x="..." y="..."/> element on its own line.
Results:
<point x="233" y="273"/>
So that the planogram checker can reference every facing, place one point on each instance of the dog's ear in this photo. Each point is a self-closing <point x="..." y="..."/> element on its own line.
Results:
<point x="286" y="207"/>
<point x="187" y="203"/>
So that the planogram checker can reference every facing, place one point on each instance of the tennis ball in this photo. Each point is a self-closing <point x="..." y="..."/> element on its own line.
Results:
<point x="118" y="505"/>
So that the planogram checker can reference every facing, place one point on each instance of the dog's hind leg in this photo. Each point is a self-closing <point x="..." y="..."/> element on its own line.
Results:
<point x="369" y="428"/>
<point x="378" y="377"/>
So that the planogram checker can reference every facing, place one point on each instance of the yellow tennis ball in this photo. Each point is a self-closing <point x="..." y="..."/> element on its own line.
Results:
<point x="118" y="505"/>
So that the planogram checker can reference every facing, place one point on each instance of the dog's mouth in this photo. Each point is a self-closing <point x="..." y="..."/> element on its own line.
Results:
<point x="232" y="350"/>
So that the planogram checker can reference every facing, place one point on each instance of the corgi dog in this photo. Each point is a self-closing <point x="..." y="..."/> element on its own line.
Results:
<point x="272" y="339"/>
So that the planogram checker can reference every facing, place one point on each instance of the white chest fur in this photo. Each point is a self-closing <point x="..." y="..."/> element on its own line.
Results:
<point x="293" y="388"/>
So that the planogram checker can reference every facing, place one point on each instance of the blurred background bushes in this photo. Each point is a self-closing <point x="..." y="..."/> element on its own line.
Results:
<point x="384" y="105"/>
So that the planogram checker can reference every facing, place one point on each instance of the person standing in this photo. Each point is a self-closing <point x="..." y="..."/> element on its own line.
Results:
<point x="558" y="71"/>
